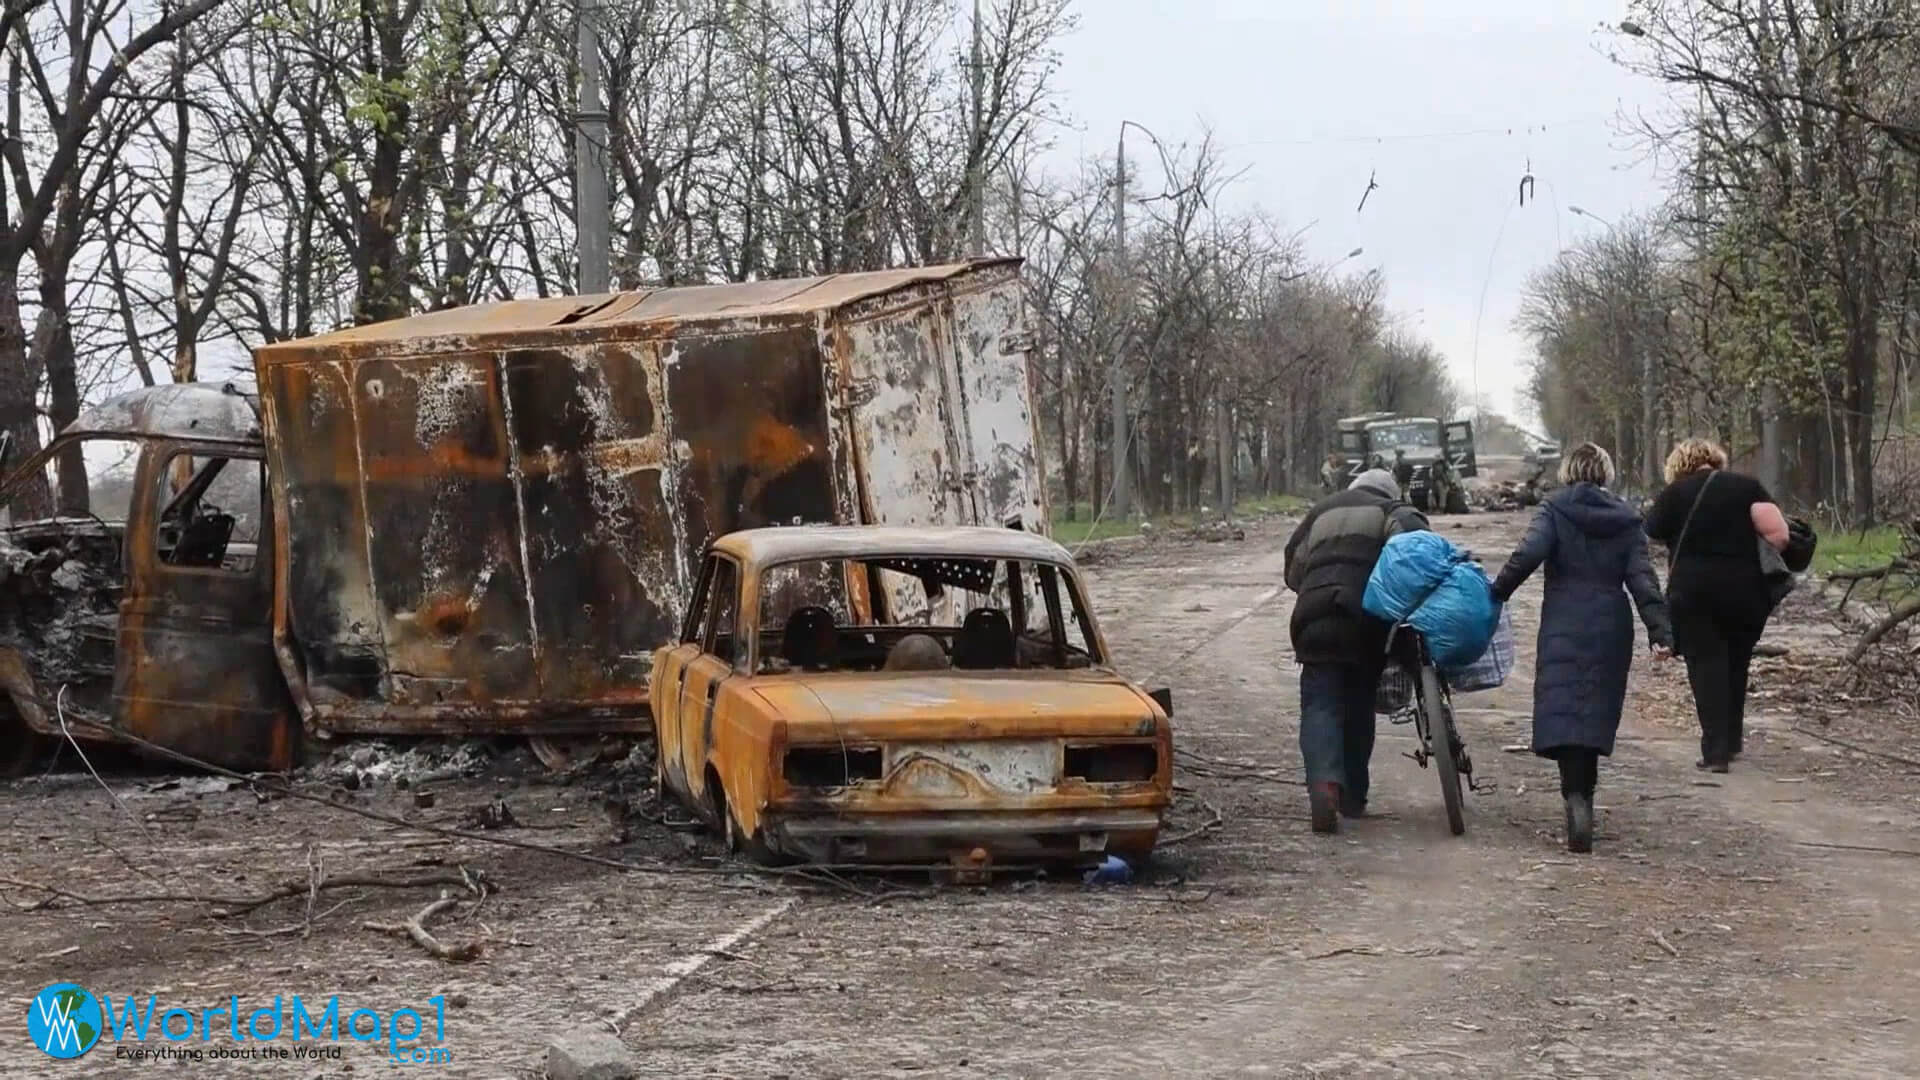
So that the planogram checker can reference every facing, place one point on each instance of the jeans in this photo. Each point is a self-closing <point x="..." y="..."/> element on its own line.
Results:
<point x="1336" y="724"/>
<point x="1719" y="654"/>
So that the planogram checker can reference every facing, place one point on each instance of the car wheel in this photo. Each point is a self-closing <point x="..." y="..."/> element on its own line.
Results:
<point x="737" y="840"/>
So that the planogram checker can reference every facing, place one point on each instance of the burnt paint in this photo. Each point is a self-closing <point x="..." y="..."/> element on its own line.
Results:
<point x="599" y="526"/>
<point x="752" y="411"/>
<point x="448" y="583"/>
<point x="195" y="667"/>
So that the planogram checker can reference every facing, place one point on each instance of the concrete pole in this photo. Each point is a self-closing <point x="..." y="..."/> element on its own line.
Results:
<point x="592" y="219"/>
<point x="1116" y="368"/>
<point x="1223" y="439"/>
<point x="976" y="180"/>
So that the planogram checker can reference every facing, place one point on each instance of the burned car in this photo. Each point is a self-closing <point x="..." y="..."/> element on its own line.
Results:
<point x="885" y="695"/>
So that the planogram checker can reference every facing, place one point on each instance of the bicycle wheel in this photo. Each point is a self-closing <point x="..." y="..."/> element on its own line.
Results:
<point x="1440" y="746"/>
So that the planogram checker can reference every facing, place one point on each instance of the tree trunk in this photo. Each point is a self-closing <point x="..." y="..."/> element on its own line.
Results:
<point x="19" y="386"/>
<point x="384" y="292"/>
<point x="53" y="354"/>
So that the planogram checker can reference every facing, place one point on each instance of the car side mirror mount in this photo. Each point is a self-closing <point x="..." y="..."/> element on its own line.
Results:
<point x="1164" y="698"/>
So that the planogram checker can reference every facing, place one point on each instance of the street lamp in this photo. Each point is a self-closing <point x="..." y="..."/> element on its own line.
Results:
<point x="1585" y="213"/>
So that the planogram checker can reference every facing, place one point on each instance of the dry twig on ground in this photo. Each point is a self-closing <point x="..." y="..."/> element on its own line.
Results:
<point x="416" y="929"/>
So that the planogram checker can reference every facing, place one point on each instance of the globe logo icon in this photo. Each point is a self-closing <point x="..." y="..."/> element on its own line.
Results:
<point x="64" y="1020"/>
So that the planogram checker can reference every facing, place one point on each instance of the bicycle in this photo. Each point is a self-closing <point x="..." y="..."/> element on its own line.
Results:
<point x="1432" y="710"/>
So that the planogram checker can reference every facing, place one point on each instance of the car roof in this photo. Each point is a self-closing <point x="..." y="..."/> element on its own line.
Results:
<point x="793" y="543"/>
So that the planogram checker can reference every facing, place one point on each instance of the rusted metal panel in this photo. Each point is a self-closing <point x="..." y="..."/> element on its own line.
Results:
<point x="324" y="598"/>
<point x="195" y="668"/>
<point x="198" y="412"/>
<point x="902" y="424"/>
<point x="494" y="515"/>
<point x="994" y="392"/>
<point x="594" y="462"/>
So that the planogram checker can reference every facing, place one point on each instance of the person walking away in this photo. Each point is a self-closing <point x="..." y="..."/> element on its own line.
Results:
<point x="1708" y="517"/>
<point x="1595" y="554"/>
<point x="1402" y="472"/>
<point x="1340" y="648"/>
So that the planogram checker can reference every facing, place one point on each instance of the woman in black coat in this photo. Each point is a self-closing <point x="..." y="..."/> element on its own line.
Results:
<point x="1717" y="590"/>
<point x="1596" y="555"/>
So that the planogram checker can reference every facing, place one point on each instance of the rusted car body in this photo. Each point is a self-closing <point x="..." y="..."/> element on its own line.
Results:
<point x="783" y="719"/>
<point x="485" y="520"/>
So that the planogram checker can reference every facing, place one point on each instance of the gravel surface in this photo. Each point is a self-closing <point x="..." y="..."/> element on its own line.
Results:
<point x="1760" y="923"/>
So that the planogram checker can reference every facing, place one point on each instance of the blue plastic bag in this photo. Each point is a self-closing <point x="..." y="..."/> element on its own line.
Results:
<point x="1410" y="568"/>
<point x="1426" y="582"/>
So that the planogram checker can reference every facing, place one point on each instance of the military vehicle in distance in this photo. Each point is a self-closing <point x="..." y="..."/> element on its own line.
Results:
<point x="1440" y="455"/>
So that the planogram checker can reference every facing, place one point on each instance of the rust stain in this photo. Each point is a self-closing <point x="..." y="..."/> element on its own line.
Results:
<point x="725" y="729"/>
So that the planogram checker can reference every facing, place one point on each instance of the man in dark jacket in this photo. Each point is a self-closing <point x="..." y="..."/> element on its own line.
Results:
<point x="1341" y="649"/>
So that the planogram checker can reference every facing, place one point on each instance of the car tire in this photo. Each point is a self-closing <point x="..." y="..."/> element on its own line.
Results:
<point x="736" y="840"/>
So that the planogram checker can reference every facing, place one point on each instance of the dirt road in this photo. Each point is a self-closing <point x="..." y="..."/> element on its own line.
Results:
<point x="1724" y="927"/>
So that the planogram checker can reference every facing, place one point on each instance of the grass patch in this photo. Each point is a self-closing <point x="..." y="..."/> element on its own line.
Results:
<point x="1073" y="533"/>
<point x="1854" y="550"/>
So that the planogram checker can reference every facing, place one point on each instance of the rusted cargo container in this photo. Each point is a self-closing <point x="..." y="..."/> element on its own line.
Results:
<point x="485" y="520"/>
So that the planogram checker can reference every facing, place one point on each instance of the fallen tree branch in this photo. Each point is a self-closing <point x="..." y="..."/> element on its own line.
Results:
<point x="1858" y="749"/>
<point x="1868" y="848"/>
<point x="231" y="905"/>
<point x="1904" y="610"/>
<point x="416" y="929"/>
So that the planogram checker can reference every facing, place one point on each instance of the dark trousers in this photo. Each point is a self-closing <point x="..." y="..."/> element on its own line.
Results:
<point x="1336" y="724"/>
<point x="1719" y="652"/>
<point x="1579" y="770"/>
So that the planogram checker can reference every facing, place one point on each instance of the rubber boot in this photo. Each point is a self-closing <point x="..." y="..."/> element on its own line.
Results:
<point x="1323" y="804"/>
<point x="1580" y="823"/>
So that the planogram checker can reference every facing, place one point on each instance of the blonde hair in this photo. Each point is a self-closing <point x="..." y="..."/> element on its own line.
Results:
<point x="1587" y="464"/>
<point x="1691" y="456"/>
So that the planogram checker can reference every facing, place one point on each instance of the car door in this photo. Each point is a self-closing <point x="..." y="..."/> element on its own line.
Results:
<point x="709" y="660"/>
<point x="1457" y="440"/>
<point x="669" y="677"/>
<point x="195" y="668"/>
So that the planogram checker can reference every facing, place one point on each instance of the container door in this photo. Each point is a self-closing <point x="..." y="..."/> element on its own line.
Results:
<point x="1458" y="438"/>
<point x="1002" y="475"/>
<point x="195" y="664"/>
<point x="902" y="424"/>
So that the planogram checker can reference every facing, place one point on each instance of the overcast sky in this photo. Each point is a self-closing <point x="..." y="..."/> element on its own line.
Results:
<point x="1309" y="96"/>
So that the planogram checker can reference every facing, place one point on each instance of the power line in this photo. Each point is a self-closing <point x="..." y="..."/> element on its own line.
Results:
<point x="1463" y="133"/>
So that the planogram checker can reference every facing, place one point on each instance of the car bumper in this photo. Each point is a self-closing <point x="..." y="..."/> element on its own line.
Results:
<point x="1050" y="836"/>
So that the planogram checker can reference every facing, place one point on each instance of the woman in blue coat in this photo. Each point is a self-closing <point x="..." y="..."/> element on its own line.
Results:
<point x="1595" y="553"/>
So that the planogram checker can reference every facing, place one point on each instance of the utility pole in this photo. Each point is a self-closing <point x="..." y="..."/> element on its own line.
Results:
<point x="591" y="217"/>
<point x="976" y="196"/>
<point x="1116" y="367"/>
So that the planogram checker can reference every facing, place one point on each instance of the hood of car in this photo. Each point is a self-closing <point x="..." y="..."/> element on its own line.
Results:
<point x="958" y="706"/>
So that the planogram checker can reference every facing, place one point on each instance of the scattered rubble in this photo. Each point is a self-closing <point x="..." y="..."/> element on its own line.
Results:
<point x="405" y="763"/>
<point x="588" y="1055"/>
